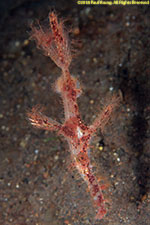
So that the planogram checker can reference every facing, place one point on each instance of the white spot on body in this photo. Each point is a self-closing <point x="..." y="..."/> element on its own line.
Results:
<point x="95" y="198"/>
<point x="79" y="133"/>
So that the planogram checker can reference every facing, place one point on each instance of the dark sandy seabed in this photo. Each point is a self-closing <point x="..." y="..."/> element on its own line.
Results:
<point x="38" y="186"/>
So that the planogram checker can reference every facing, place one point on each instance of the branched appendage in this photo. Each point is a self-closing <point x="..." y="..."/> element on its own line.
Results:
<point x="55" y="43"/>
<point x="103" y="117"/>
<point x="41" y="121"/>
